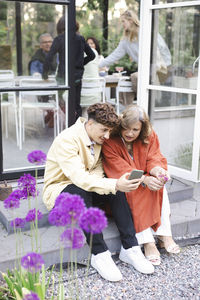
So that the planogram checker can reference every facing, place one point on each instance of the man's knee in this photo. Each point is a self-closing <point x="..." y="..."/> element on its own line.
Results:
<point x="73" y="189"/>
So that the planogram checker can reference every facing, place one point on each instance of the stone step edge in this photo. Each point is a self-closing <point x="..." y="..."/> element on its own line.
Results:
<point x="113" y="242"/>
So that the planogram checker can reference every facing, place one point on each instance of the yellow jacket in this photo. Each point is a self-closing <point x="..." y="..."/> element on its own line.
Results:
<point x="69" y="161"/>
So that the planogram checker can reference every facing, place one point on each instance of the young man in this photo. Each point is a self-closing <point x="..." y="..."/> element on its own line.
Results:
<point x="74" y="166"/>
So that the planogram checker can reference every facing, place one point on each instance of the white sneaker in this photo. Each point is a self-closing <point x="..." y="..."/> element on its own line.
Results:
<point x="136" y="258"/>
<point x="105" y="266"/>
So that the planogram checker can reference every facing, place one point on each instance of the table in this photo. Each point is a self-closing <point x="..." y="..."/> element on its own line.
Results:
<point x="112" y="80"/>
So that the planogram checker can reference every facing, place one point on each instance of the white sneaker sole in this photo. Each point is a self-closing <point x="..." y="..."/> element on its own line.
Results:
<point x="138" y="268"/>
<point x="103" y="275"/>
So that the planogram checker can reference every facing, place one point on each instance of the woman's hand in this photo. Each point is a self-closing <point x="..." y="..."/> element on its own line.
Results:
<point x="161" y="174"/>
<point x="125" y="185"/>
<point x="153" y="183"/>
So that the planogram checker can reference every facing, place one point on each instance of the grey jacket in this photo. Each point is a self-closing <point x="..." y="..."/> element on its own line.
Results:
<point x="132" y="49"/>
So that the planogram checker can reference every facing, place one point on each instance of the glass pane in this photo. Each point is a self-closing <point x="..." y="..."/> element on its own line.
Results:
<point x="167" y="1"/>
<point x="33" y="123"/>
<point x="37" y="122"/>
<point x="199" y="169"/>
<point x="175" y="47"/>
<point x="174" y="126"/>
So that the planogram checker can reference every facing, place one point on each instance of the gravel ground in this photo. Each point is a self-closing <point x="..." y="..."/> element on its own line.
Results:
<point x="178" y="277"/>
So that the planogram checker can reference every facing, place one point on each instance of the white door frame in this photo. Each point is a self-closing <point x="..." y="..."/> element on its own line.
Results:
<point x="146" y="8"/>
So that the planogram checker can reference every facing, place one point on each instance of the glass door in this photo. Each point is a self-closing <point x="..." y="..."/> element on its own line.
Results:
<point x="169" y="80"/>
<point x="33" y="110"/>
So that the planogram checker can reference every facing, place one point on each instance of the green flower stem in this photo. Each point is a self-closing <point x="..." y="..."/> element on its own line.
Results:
<point x="36" y="211"/>
<point x="88" y="264"/>
<point x="76" y="277"/>
<point x="32" y="242"/>
<point x="61" y="270"/>
<point x="71" y="273"/>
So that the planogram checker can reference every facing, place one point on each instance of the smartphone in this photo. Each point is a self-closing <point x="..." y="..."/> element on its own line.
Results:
<point x="136" y="174"/>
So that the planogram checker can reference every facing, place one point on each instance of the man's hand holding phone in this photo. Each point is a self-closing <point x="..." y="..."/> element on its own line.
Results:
<point x="129" y="181"/>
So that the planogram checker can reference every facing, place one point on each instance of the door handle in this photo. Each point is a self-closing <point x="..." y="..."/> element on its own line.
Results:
<point x="194" y="63"/>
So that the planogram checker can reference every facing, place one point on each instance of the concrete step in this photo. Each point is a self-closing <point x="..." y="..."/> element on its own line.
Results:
<point x="177" y="190"/>
<point x="185" y="220"/>
<point x="50" y="245"/>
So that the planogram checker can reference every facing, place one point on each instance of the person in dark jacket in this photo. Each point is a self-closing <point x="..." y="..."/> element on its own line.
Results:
<point x="81" y="47"/>
<point x="37" y="61"/>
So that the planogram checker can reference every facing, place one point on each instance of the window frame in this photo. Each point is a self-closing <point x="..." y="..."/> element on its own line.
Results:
<point x="69" y="85"/>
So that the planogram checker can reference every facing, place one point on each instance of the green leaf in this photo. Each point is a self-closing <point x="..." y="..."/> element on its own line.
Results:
<point x="39" y="291"/>
<point x="61" y="292"/>
<point x="43" y="280"/>
<point x="50" y="275"/>
<point x="10" y="285"/>
<point x="18" y="297"/>
<point x="31" y="280"/>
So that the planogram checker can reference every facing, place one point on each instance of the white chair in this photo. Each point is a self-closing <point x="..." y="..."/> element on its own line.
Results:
<point x="124" y="85"/>
<point x="29" y="100"/>
<point x="92" y="86"/>
<point x="7" y="80"/>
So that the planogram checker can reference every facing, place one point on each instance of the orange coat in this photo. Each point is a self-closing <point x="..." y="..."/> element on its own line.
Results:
<point x="145" y="204"/>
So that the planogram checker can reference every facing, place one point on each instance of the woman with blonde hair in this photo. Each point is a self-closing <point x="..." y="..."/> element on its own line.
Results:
<point x="135" y="145"/>
<point x="129" y="44"/>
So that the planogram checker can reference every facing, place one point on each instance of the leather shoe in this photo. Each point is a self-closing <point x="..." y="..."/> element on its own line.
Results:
<point x="136" y="258"/>
<point x="105" y="266"/>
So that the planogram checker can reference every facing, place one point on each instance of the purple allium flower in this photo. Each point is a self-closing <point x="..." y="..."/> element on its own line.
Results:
<point x="68" y="208"/>
<point x="11" y="202"/>
<point x="13" y="199"/>
<point x="57" y="218"/>
<point x="62" y="197"/>
<point x="72" y="238"/>
<point x="32" y="262"/>
<point x="71" y="205"/>
<point x="17" y="194"/>
<point x="93" y="220"/>
<point x="27" y="184"/>
<point x="18" y="223"/>
<point x="31" y="215"/>
<point x="37" y="157"/>
<point x="31" y="296"/>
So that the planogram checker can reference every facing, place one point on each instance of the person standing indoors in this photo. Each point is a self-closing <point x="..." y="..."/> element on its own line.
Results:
<point x="135" y="145"/>
<point x="80" y="47"/>
<point x="94" y="44"/>
<point x="83" y="55"/>
<point x="129" y="44"/>
<point x="57" y="48"/>
<point x="74" y="166"/>
<point x="91" y="70"/>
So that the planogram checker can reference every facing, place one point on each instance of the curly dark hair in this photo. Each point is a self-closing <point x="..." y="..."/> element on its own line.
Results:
<point x="103" y="113"/>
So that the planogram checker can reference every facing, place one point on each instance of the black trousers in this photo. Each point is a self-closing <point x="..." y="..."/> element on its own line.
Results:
<point x="78" y="109"/>
<point x="121" y="214"/>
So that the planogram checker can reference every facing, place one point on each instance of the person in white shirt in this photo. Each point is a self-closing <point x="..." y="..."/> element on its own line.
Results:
<point x="94" y="44"/>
